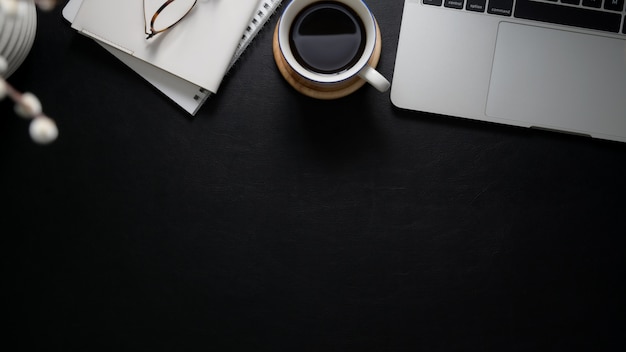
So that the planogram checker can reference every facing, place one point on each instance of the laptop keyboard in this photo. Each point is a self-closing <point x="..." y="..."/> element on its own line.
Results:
<point x="603" y="15"/>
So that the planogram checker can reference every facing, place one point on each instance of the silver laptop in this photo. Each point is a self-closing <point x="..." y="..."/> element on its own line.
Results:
<point x="551" y="64"/>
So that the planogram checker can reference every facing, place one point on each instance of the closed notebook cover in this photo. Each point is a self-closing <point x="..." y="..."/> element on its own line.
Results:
<point x="198" y="49"/>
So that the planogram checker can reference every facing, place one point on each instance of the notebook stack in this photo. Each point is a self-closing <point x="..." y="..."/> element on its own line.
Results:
<point x="188" y="61"/>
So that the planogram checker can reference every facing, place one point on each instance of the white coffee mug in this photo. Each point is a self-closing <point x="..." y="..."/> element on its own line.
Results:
<point x="328" y="85"/>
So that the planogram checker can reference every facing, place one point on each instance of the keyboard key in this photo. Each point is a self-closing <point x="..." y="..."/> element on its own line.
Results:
<point x="592" y="3"/>
<point x="476" y="5"/>
<point x="568" y="15"/>
<point x="571" y="2"/>
<point x="614" y="5"/>
<point x="500" y="7"/>
<point x="453" y="4"/>
<point x="433" y="2"/>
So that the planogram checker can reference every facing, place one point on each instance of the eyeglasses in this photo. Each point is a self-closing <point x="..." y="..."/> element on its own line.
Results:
<point x="166" y="16"/>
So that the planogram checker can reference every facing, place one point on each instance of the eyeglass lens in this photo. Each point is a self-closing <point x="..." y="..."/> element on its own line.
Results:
<point x="160" y="15"/>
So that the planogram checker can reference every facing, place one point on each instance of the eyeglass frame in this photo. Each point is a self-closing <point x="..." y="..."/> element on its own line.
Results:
<point x="153" y="31"/>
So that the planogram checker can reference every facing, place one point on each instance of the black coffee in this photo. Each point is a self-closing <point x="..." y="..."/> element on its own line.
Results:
<point x="327" y="37"/>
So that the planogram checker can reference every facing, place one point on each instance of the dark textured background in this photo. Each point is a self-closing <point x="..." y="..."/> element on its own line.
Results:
<point x="275" y="222"/>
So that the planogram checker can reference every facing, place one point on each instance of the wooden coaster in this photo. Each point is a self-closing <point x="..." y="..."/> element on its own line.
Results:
<point x="317" y="91"/>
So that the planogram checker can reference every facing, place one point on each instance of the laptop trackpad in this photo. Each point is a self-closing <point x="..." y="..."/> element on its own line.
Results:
<point x="559" y="80"/>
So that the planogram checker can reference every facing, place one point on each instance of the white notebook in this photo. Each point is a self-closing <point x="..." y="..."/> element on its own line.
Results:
<point x="188" y="95"/>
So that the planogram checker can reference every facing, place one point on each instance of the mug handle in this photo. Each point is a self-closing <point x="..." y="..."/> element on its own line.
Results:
<point x="373" y="77"/>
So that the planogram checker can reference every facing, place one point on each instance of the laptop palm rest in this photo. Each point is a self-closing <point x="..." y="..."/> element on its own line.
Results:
<point x="557" y="80"/>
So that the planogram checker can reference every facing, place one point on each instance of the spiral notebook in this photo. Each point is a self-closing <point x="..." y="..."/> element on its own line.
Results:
<point x="186" y="94"/>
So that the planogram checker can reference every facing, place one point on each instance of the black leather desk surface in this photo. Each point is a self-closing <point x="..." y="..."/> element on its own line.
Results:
<point x="275" y="222"/>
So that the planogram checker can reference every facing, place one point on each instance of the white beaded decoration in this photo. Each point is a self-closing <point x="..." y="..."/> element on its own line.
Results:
<point x="42" y="129"/>
<point x="28" y="106"/>
<point x="46" y="5"/>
